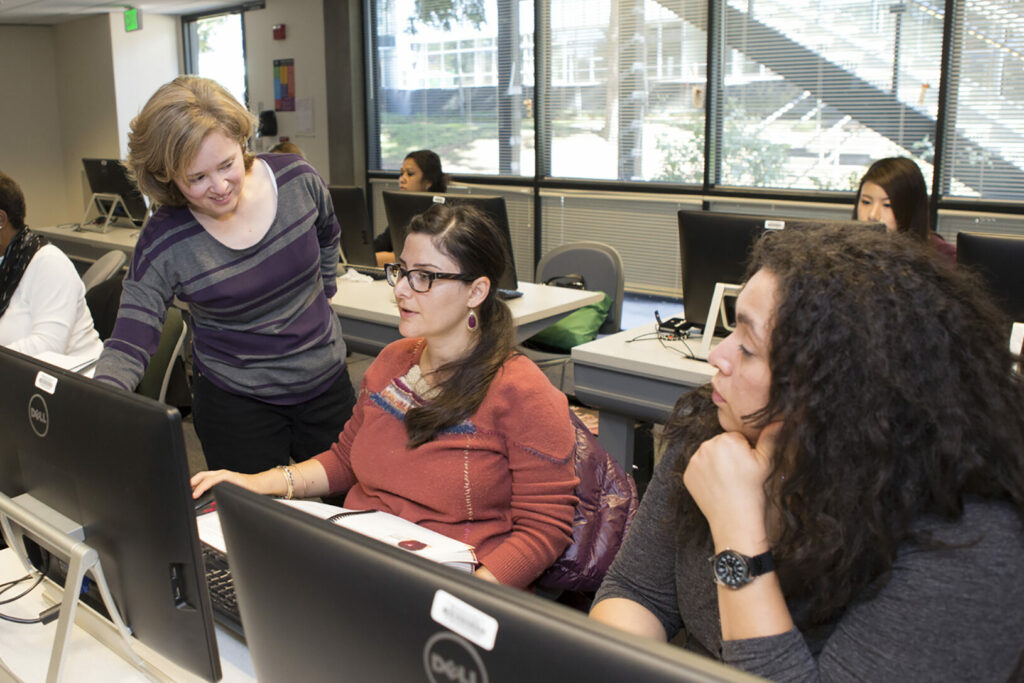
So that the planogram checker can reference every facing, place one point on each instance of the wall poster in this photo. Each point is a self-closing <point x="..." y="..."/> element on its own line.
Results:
<point x="284" y="85"/>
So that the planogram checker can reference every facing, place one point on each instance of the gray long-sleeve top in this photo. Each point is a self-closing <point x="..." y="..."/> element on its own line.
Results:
<point x="954" y="614"/>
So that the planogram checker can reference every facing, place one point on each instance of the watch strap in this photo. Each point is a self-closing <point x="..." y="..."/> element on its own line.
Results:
<point x="761" y="564"/>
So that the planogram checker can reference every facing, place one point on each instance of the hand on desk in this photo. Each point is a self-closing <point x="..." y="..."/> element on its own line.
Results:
<point x="266" y="483"/>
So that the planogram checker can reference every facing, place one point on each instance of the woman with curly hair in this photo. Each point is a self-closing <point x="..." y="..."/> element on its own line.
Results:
<point x="854" y="474"/>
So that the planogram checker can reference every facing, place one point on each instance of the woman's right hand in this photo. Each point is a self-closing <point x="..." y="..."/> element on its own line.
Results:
<point x="269" y="482"/>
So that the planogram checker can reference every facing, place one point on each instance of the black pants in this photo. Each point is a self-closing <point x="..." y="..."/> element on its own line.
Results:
<point x="244" y="434"/>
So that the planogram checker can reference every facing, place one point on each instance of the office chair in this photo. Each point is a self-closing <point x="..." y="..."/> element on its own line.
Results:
<point x="104" y="268"/>
<point x="161" y="365"/>
<point x="601" y="268"/>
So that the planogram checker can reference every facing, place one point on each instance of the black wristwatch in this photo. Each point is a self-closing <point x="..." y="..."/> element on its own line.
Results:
<point x="734" y="570"/>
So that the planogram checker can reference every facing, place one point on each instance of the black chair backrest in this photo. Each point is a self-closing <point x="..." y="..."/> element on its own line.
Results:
<point x="103" y="301"/>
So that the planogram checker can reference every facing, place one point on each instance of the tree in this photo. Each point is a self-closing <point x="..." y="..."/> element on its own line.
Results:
<point x="442" y="13"/>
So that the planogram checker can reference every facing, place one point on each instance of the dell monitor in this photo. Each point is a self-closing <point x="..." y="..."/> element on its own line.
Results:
<point x="402" y="207"/>
<point x="715" y="247"/>
<point x="109" y="177"/>
<point x="323" y="603"/>
<point x="114" y="463"/>
<point x="999" y="259"/>
<point x="356" y="231"/>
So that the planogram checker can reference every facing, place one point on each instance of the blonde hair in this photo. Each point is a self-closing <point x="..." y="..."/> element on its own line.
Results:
<point x="165" y="137"/>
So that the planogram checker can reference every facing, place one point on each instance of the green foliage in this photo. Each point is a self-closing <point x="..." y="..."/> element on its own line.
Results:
<point x="748" y="156"/>
<point x="827" y="182"/>
<point x="204" y="31"/>
<point x="683" y="154"/>
<point x="442" y="13"/>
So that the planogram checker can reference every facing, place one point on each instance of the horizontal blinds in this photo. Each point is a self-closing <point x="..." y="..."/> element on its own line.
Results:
<point x="984" y="143"/>
<point x="812" y="92"/>
<point x="623" y="97"/>
<point x="457" y="78"/>
<point x="643" y="230"/>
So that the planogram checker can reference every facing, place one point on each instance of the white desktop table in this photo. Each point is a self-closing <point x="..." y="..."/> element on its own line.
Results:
<point x="628" y="381"/>
<point x="369" y="314"/>
<point x="88" y="245"/>
<point x="25" y="648"/>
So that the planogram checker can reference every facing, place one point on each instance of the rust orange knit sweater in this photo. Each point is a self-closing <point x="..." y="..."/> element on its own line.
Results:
<point x="502" y="481"/>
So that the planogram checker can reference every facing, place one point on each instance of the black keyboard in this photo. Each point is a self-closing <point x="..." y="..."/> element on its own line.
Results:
<point x="222" y="588"/>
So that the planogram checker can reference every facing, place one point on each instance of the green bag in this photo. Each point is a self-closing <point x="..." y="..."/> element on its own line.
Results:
<point x="576" y="328"/>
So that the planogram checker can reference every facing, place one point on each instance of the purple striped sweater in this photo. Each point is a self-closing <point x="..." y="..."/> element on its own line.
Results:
<point x="261" y="318"/>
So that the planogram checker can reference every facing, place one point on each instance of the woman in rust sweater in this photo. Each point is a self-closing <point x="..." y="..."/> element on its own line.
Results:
<point x="451" y="430"/>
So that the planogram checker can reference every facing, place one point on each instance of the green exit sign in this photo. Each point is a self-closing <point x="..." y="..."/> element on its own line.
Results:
<point x="132" y="19"/>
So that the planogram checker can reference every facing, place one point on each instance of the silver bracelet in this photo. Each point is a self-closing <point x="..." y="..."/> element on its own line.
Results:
<point x="289" y="481"/>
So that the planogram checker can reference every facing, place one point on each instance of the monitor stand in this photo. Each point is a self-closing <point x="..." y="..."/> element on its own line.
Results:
<point x="106" y="215"/>
<point x="63" y="538"/>
<point x="717" y="309"/>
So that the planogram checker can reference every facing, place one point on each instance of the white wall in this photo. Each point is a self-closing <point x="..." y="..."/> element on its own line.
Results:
<point x="31" y="152"/>
<point x="88" y="105"/>
<point x="304" y="43"/>
<point x="143" y="61"/>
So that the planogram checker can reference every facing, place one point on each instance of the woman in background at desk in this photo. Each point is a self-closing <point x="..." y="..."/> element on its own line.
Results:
<point x="854" y="473"/>
<point x="42" y="298"/>
<point x="251" y="245"/>
<point x="893" y="192"/>
<point x="421" y="172"/>
<point x="452" y="430"/>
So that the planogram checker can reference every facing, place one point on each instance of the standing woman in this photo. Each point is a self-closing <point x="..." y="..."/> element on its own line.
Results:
<point x="421" y="172"/>
<point x="893" y="192"/>
<point x="856" y="471"/>
<point x="251" y="245"/>
<point x="42" y="298"/>
<point x="452" y="430"/>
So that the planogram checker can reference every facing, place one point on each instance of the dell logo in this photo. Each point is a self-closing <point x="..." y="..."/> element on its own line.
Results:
<point x="453" y="671"/>
<point x="38" y="415"/>
<point x="448" y="658"/>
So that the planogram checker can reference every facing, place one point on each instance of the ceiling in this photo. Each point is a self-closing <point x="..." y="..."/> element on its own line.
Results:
<point x="48" y="12"/>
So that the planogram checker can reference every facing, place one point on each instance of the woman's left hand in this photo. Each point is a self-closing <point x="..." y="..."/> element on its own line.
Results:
<point x="726" y="478"/>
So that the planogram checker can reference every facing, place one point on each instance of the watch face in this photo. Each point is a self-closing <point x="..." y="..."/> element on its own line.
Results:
<point x="731" y="569"/>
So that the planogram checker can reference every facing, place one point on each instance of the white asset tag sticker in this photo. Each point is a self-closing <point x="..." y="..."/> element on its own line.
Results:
<point x="462" y="618"/>
<point x="45" y="382"/>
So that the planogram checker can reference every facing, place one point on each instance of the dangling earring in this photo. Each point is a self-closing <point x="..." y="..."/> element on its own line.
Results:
<point x="471" y="321"/>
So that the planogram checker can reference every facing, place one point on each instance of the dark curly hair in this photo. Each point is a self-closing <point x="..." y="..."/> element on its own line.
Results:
<point x="892" y="374"/>
<point x="470" y="238"/>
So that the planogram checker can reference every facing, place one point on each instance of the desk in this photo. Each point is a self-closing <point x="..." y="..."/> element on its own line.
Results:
<point x="629" y="381"/>
<point x="369" y="315"/>
<point x="86" y="245"/>
<point x="25" y="648"/>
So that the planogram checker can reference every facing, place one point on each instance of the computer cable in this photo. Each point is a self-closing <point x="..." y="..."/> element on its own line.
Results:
<point x="663" y="337"/>
<point x="45" y="617"/>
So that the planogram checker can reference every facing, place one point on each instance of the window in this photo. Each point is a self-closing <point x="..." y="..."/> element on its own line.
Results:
<point x="813" y="91"/>
<point x="798" y="95"/>
<point x="983" y="155"/>
<point x="215" y="49"/>
<point x="625" y="97"/>
<point x="450" y="76"/>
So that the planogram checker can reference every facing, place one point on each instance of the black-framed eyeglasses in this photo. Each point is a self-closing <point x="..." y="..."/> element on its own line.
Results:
<point x="420" y="280"/>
